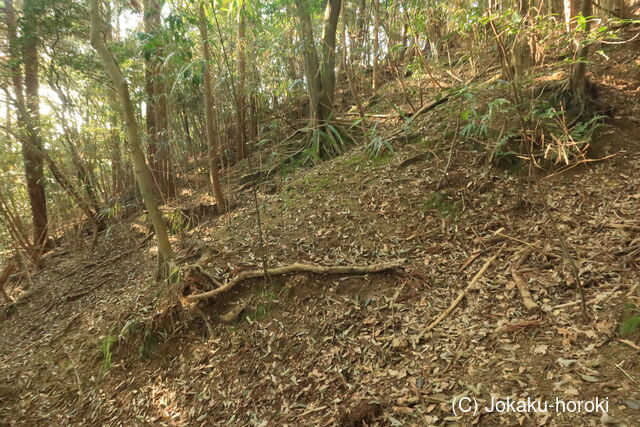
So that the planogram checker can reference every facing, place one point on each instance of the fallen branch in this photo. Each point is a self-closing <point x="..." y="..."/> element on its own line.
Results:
<point x="462" y="293"/>
<point x="622" y="226"/>
<point x="514" y="327"/>
<point x="630" y="344"/>
<point x="528" y="302"/>
<point x="401" y="131"/>
<point x="307" y="268"/>
<point x="597" y="300"/>
<point x="429" y="107"/>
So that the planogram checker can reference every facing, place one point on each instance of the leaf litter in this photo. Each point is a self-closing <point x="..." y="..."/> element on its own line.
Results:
<point x="352" y="350"/>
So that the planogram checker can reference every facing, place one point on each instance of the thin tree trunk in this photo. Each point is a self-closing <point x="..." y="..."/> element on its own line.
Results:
<point x="117" y="168"/>
<point x="151" y="18"/>
<point x="33" y="156"/>
<point x="291" y="69"/>
<point x="361" y="25"/>
<point x="240" y="90"/>
<point x="164" y="162"/>
<point x="187" y="133"/>
<point x="328" y="76"/>
<point x="311" y="63"/>
<point x="28" y="106"/>
<point x="570" y="12"/>
<point x="117" y="180"/>
<point x="347" y="70"/>
<point x="214" y="159"/>
<point x="376" y="44"/>
<point x="578" y="80"/>
<point x="142" y="174"/>
<point x="164" y="155"/>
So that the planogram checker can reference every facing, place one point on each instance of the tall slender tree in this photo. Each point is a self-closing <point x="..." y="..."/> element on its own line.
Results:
<point x="240" y="89"/>
<point x="27" y="103"/>
<point x="212" y="140"/>
<point x="376" y="44"/>
<point x="156" y="102"/>
<point x="141" y="170"/>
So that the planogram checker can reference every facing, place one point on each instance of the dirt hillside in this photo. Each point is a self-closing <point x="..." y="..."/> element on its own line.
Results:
<point x="308" y="349"/>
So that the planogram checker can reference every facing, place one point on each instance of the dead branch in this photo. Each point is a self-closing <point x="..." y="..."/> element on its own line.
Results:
<point x="515" y="327"/>
<point x="622" y="226"/>
<point x="528" y="302"/>
<point x="462" y="293"/>
<point x="307" y="268"/>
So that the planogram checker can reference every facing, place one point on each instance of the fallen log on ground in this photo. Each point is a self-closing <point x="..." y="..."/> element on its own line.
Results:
<point x="305" y="268"/>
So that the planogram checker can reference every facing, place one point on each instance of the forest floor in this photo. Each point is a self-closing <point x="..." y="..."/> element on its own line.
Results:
<point x="355" y="349"/>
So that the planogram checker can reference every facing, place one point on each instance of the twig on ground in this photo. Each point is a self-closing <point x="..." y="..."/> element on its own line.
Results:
<point x="75" y="371"/>
<point x="619" y="366"/>
<point x="630" y="344"/>
<point x="463" y="293"/>
<point x="593" y="301"/>
<point x="528" y="302"/>
<point x="518" y="326"/>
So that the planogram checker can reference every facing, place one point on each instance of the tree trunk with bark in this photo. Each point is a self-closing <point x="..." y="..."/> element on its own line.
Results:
<point x="214" y="158"/>
<point x="142" y="173"/>
<point x="28" y="112"/>
<point x="157" y="120"/>
<point x="376" y="44"/>
<point x="240" y="90"/>
<point x="523" y="50"/>
<point x="578" y="80"/>
<point x="164" y="162"/>
<point x="328" y="71"/>
<point x="311" y="62"/>
<point x="321" y="79"/>
<point x="570" y="11"/>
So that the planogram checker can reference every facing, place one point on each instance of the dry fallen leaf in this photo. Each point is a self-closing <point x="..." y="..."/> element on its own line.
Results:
<point x="541" y="349"/>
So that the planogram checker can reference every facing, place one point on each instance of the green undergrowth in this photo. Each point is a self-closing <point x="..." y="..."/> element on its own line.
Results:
<point x="319" y="181"/>
<point x="130" y="338"/>
<point x="442" y="204"/>
<point x="630" y="323"/>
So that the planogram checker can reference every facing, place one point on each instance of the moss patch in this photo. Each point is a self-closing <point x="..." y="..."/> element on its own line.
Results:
<point x="440" y="202"/>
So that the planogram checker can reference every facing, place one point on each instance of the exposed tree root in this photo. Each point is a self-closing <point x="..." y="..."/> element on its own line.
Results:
<point x="307" y="268"/>
<point x="4" y="278"/>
